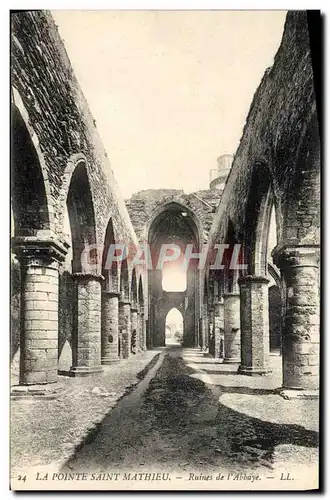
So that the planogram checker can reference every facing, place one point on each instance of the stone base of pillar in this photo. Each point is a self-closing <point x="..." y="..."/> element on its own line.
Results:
<point x="231" y="360"/>
<point x="37" y="391"/>
<point x="253" y="371"/>
<point x="297" y="394"/>
<point x="82" y="371"/>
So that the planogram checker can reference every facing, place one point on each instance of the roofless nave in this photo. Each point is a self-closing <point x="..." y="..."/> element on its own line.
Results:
<point x="72" y="315"/>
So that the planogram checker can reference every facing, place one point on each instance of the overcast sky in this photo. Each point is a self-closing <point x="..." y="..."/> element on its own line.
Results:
<point x="170" y="90"/>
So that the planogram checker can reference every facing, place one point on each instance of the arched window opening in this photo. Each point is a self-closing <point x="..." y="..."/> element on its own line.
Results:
<point x="174" y="327"/>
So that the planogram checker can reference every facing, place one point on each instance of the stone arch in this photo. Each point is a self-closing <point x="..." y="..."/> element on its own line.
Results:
<point x="71" y="165"/>
<point x="141" y="294"/>
<point x="134" y="288"/>
<point x="274" y="274"/>
<point x="172" y="335"/>
<point x="261" y="199"/>
<point x="229" y="275"/>
<point x="30" y="188"/>
<point x="297" y="256"/>
<point x="81" y="266"/>
<point x="110" y="269"/>
<point x="80" y="207"/>
<point x="30" y="200"/>
<point x="31" y="211"/>
<point x="198" y="229"/>
<point x="124" y="281"/>
<point x="179" y="306"/>
<point x="254" y="283"/>
<point x="173" y="223"/>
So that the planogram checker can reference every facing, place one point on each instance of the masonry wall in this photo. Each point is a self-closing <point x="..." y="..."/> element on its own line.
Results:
<point x="15" y="299"/>
<point x="282" y="111"/>
<point x="278" y="164"/>
<point x="46" y="95"/>
<point x="60" y="118"/>
<point x="143" y="206"/>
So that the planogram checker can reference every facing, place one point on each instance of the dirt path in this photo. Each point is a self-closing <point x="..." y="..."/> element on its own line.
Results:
<point x="175" y="422"/>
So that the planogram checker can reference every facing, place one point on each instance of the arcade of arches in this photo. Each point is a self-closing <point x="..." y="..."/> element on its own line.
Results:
<point x="73" y="313"/>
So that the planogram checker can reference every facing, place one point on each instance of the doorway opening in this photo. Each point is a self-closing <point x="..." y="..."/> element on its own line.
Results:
<point x="174" y="327"/>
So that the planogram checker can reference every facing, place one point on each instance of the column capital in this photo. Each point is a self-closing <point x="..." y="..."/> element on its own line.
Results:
<point x="38" y="251"/>
<point x="251" y="279"/>
<point x="87" y="277"/>
<point x="296" y="256"/>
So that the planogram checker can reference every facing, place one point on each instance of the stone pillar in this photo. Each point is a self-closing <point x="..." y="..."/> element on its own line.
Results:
<point x="109" y="327"/>
<point x="232" y="334"/>
<point x="210" y="327"/>
<point x="254" y="325"/>
<point x="202" y="332"/>
<point x="134" y="328"/>
<point x="301" y="329"/>
<point x="143" y="332"/>
<point x="87" y="324"/>
<point x="211" y="333"/>
<point x="205" y="328"/>
<point x="218" y="327"/>
<point x="39" y="260"/>
<point x="138" y="336"/>
<point x="125" y="328"/>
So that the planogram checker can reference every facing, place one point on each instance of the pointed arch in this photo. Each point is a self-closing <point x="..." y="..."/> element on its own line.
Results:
<point x="134" y="288"/>
<point x="124" y="281"/>
<point x="174" y="223"/>
<point x="29" y="190"/>
<point x="174" y="325"/>
<point x="82" y="221"/>
<point x="190" y="218"/>
<point x="110" y="269"/>
<point x="229" y="275"/>
<point x="141" y="293"/>
<point x="257" y="219"/>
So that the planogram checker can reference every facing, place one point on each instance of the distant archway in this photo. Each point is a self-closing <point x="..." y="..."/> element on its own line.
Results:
<point x="173" y="284"/>
<point x="174" y="327"/>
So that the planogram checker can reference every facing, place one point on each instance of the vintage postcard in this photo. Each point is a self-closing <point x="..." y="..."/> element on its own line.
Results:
<point x="165" y="250"/>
